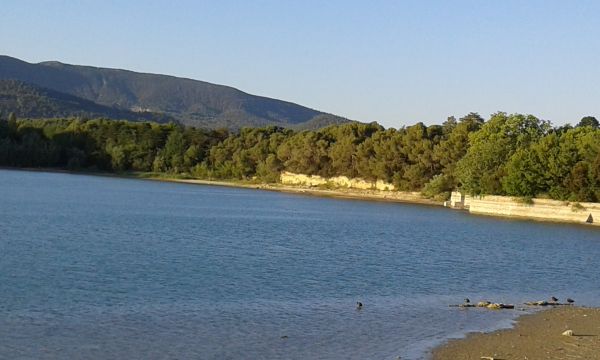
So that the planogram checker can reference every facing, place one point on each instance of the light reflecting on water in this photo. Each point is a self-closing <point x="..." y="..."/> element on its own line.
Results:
<point x="100" y="268"/>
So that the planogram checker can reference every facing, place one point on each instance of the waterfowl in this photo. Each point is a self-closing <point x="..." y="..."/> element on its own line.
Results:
<point x="570" y="301"/>
<point x="359" y="305"/>
<point x="467" y="300"/>
<point x="554" y="299"/>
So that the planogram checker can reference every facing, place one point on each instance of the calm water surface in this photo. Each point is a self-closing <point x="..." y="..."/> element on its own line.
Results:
<point x="102" y="268"/>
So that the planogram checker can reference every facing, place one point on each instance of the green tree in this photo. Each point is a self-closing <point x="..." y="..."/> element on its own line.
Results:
<point x="482" y="168"/>
<point x="192" y="156"/>
<point x="269" y="170"/>
<point x="589" y="121"/>
<point x="452" y="148"/>
<point x="4" y="130"/>
<point x="173" y="152"/>
<point x="12" y="124"/>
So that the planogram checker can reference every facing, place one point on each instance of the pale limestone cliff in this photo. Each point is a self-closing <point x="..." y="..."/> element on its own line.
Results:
<point x="288" y="178"/>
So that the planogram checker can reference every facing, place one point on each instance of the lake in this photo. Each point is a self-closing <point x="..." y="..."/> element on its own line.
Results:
<point x="103" y="268"/>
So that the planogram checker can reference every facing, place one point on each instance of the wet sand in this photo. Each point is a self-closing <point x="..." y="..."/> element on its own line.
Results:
<point x="535" y="337"/>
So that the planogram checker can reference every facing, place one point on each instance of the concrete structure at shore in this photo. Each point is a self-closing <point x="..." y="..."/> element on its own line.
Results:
<point x="505" y="206"/>
<point x="538" y="209"/>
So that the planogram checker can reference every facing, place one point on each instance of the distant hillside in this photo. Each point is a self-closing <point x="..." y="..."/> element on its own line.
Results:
<point x="32" y="101"/>
<point x="320" y="121"/>
<point x="189" y="101"/>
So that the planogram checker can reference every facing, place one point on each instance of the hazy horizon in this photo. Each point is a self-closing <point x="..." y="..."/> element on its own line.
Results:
<point x="390" y="62"/>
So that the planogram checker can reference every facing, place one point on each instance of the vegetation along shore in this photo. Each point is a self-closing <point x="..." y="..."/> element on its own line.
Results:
<point x="514" y="155"/>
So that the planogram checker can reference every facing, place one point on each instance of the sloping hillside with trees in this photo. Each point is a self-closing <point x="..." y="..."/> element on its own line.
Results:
<point x="31" y="101"/>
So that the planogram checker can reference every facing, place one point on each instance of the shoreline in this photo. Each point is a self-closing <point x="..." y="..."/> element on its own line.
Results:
<point x="339" y="193"/>
<point x="534" y="336"/>
<point x="366" y="195"/>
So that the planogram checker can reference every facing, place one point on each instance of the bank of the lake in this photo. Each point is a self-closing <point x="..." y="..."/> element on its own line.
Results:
<point x="374" y="195"/>
<point x="544" y="210"/>
<point x="343" y="193"/>
<point x="535" y="336"/>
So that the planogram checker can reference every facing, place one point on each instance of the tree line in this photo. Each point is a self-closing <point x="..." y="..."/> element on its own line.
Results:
<point x="509" y="154"/>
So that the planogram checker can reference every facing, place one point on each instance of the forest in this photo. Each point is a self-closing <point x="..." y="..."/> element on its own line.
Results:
<point x="507" y="154"/>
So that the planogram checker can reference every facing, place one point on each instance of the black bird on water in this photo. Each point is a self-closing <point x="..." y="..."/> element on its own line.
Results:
<point x="570" y="301"/>
<point x="467" y="300"/>
<point x="554" y="299"/>
<point x="359" y="305"/>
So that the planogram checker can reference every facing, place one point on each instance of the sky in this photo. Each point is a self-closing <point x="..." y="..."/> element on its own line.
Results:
<point x="394" y="62"/>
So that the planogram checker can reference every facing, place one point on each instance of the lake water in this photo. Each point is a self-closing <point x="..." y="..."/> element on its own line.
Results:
<point x="103" y="268"/>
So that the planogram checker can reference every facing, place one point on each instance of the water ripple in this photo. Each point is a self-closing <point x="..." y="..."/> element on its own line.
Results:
<point x="100" y="268"/>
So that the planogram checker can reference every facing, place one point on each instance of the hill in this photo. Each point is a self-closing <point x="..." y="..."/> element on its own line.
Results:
<point x="191" y="102"/>
<point x="31" y="101"/>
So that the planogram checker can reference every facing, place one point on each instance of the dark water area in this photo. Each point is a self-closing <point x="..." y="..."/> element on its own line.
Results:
<point x="103" y="268"/>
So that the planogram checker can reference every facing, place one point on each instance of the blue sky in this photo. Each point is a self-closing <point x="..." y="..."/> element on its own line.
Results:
<point x="395" y="62"/>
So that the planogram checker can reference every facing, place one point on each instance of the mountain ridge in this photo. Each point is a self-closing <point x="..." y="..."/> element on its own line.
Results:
<point x="32" y="101"/>
<point x="189" y="101"/>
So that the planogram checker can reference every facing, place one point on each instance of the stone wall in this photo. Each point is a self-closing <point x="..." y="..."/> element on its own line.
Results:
<point x="457" y="200"/>
<point x="539" y="209"/>
<point x="288" y="178"/>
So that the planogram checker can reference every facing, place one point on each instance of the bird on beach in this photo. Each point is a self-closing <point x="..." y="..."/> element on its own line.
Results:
<point x="554" y="299"/>
<point x="570" y="301"/>
<point x="467" y="300"/>
<point x="359" y="305"/>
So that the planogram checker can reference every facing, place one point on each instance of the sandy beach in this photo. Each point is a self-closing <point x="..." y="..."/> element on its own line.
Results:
<point x="535" y="336"/>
